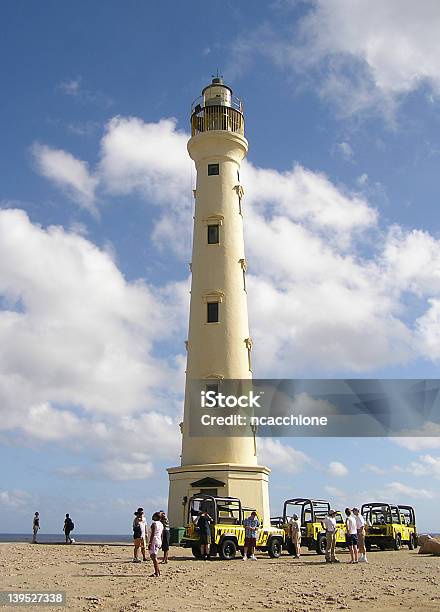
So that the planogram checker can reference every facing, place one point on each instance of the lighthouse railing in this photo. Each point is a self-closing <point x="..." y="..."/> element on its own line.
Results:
<point x="216" y="117"/>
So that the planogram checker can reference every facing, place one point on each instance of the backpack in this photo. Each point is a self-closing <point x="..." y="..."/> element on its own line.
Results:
<point x="70" y="524"/>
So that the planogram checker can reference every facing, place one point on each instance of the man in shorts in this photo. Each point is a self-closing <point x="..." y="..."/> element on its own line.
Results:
<point x="352" y="536"/>
<point x="251" y="525"/>
<point x="360" y="524"/>
<point x="204" y="524"/>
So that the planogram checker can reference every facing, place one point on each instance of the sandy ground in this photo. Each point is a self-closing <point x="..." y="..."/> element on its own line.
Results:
<point x="101" y="577"/>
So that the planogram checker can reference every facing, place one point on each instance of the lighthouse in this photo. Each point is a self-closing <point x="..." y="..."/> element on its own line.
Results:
<point x="219" y="345"/>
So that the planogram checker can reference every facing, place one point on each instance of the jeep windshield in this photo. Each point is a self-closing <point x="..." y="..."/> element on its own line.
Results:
<point x="379" y="514"/>
<point x="308" y="510"/>
<point x="220" y="509"/>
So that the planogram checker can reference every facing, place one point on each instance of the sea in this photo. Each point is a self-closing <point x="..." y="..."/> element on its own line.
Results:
<point x="53" y="538"/>
<point x="80" y="538"/>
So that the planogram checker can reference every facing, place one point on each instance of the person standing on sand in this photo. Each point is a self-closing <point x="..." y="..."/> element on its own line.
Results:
<point x="155" y="542"/>
<point x="139" y="525"/>
<point x="295" y="534"/>
<point x="330" y="534"/>
<point x="35" y="527"/>
<point x="165" y="535"/>
<point x="204" y="524"/>
<point x="360" y="525"/>
<point x="251" y="525"/>
<point x="352" y="537"/>
<point x="68" y="528"/>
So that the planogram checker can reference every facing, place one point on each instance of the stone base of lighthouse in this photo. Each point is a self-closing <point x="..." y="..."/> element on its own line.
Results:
<point x="250" y="483"/>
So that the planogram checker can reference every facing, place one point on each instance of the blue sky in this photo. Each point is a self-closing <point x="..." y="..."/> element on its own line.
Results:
<point x="342" y="236"/>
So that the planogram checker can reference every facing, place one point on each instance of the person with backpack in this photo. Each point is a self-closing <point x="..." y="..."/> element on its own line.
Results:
<point x="68" y="528"/>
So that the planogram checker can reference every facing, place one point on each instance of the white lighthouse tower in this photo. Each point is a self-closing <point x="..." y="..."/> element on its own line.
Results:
<point x="219" y="345"/>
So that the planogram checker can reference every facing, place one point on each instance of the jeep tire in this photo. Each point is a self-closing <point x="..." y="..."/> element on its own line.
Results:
<point x="412" y="542"/>
<point x="274" y="548"/>
<point x="321" y="544"/>
<point x="227" y="549"/>
<point x="397" y="542"/>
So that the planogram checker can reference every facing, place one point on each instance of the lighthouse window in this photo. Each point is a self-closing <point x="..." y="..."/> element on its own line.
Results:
<point x="212" y="312"/>
<point x="213" y="234"/>
<point x="213" y="169"/>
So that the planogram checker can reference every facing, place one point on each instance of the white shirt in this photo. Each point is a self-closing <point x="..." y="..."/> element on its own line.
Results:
<point x="360" y="521"/>
<point x="351" y="525"/>
<point x="330" y="523"/>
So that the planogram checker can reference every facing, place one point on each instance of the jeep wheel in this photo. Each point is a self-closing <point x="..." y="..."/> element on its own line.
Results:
<point x="321" y="544"/>
<point x="397" y="542"/>
<point x="368" y="546"/>
<point x="196" y="551"/>
<point x="227" y="550"/>
<point x="274" y="548"/>
<point x="412" y="542"/>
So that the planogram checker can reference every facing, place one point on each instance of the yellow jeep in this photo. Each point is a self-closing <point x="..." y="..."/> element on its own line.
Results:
<point x="227" y="529"/>
<point x="389" y="526"/>
<point x="311" y="513"/>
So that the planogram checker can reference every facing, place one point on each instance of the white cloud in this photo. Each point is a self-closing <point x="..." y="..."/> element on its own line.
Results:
<point x="335" y="492"/>
<point x="147" y="157"/>
<point x="345" y="150"/>
<point x="337" y="469"/>
<point x="77" y="364"/>
<point x="310" y="197"/>
<point x="397" y="490"/>
<point x="361" y="55"/>
<point x="375" y="469"/>
<point x="426" y="437"/>
<point x="428" y="330"/>
<point x="427" y="465"/>
<point x="432" y="464"/>
<point x="67" y="172"/>
<point x="71" y="87"/>
<point x="123" y="470"/>
<point x="14" y="499"/>
<point x="306" y="242"/>
<point x="285" y="458"/>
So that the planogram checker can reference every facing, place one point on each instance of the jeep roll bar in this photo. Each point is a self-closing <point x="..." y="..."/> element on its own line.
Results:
<point x="217" y="503"/>
<point x="303" y="501"/>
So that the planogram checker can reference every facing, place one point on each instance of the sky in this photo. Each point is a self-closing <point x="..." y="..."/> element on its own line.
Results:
<point x="342" y="231"/>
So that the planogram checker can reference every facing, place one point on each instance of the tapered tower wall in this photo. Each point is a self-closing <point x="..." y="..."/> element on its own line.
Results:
<point x="220" y="349"/>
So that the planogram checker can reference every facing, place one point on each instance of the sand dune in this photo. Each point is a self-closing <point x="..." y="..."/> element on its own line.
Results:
<point x="103" y="578"/>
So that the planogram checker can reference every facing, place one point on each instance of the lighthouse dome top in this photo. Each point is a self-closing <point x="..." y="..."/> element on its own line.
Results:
<point x="217" y="109"/>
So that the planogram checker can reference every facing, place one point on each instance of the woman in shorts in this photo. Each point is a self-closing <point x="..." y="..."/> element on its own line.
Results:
<point x="155" y="542"/>
<point x="352" y="536"/>
<point x="139" y="526"/>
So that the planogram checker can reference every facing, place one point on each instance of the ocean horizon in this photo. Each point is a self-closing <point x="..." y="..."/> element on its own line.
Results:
<point x="82" y="538"/>
<point x="52" y="538"/>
